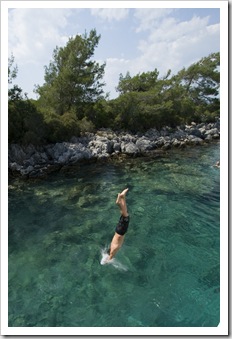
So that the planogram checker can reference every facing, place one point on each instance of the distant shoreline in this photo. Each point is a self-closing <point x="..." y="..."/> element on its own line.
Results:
<point x="38" y="161"/>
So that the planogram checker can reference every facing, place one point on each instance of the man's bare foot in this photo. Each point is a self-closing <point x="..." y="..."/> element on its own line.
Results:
<point x="121" y="195"/>
<point x="124" y="192"/>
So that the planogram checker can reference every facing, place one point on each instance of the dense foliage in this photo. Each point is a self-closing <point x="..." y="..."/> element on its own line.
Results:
<point x="71" y="100"/>
<point x="72" y="79"/>
<point x="25" y="123"/>
<point x="147" y="100"/>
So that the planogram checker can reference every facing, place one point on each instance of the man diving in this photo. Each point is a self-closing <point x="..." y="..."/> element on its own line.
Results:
<point x="121" y="227"/>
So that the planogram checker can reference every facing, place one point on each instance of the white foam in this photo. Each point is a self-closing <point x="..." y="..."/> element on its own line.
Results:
<point x="114" y="262"/>
<point x="104" y="258"/>
<point x="118" y="265"/>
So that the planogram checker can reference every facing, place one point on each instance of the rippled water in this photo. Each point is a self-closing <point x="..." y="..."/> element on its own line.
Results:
<point x="167" y="272"/>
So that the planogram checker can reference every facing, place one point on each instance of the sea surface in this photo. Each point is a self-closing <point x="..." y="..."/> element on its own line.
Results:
<point x="167" y="272"/>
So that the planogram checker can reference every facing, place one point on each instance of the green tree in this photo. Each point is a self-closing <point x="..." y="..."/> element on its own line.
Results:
<point x="139" y="83"/>
<point x="73" y="79"/>
<point x="146" y="100"/>
<point x="143" y="102"/>
<point x="103" y="114"/>
<point x="25" y="122"/>
<point x="12" y="70"/>
<point x="201" y="84"/>
<point x="14" y="92"/>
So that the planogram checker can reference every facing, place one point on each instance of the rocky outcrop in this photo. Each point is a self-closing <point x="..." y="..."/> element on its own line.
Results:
<point x="31" y="161"/>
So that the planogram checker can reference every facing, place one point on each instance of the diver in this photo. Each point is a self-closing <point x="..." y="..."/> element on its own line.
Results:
<point x="121" y="227"/>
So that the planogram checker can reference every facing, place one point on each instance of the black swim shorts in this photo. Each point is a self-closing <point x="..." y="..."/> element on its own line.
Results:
<point x="122" y="225"/>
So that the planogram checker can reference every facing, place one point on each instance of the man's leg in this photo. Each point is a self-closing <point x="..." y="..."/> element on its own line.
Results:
<point x="116" y="244"/>
<point x="117" y="240"/>
<point x="121" y="202"/>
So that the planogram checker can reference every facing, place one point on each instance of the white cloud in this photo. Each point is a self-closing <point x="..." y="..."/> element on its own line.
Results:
<point x="149" y="18"/>
<point x="170" y="29"/>
<point x="172" y="45"/>
<point x="34" y="33"/>
<point x="114" y="67"/>
<point x="163" y="41"/>
<point x="109" y="14"/>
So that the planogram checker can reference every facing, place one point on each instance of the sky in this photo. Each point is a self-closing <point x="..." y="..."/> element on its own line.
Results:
<point x="132" y="39"/>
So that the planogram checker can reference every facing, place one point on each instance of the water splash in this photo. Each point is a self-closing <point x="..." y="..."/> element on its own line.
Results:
<point x="114" y="262"/>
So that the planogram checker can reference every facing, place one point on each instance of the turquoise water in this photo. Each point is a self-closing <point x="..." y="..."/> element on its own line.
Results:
<point x="166" y="273"/>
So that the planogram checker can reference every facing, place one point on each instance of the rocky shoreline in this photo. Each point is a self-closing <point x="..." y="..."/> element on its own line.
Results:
<point x="38" y="161"/>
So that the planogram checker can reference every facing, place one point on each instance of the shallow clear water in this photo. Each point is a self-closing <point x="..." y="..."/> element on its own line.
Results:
<point x="166" y="273"/>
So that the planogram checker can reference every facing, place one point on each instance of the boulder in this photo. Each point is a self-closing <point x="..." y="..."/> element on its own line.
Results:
<point x="202" y="131"/>
<point x="194" y="140"/>
<point x="127" y="138"/>
<point x="16" y="154"/>
<point x="101" y="146"/>
<point x="178" y="134"/>
<point x="164" y="132"/>
<point x="129" y="148"/>
<point x="167" y="145"/>
<point x="144" y="144"/>
<point x="152" y="134"/>
<point x="30" y="150"/>
<point x="64" y="158"/>
<point x="117" y="147"/>
<point x="176" y="143"/>
<point x="35" y="161"/>
<point x="159" y="142"/>
<point x="27" y="170"/>
<point x="196" y="132"/>
<point x="212" y="131"/>
<point x="13" y="166"/>
<point x="208" y="138"/>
